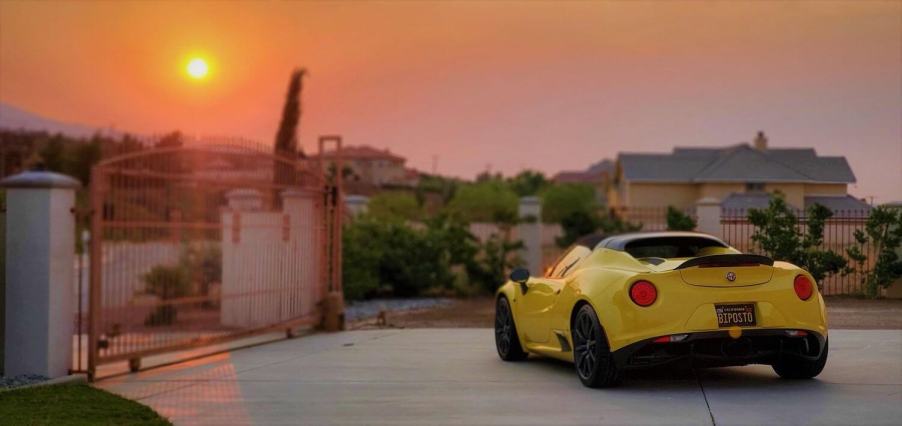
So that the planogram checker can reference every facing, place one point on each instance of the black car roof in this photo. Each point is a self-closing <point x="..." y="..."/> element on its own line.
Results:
<point x="619" y="242"/>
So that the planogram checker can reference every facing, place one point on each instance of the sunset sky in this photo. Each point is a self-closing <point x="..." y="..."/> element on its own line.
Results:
<point x="505" y="85"/>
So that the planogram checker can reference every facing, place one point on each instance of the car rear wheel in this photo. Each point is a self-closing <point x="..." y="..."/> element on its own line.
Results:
<point x="506" y="341"/>
<point x="591" y="354"/>
<point x="798" y="368"/>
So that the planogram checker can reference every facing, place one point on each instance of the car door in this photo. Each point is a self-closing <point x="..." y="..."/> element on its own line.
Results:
<point x="541" y="293"/>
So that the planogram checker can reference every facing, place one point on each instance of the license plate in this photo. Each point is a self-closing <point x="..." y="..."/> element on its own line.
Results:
<point x="739" y="314"/>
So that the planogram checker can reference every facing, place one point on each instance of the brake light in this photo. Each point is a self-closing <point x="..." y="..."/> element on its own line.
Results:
<point x="803" y="287"/>
<point x="674" y="338"/>
<point x="643" y="293"/>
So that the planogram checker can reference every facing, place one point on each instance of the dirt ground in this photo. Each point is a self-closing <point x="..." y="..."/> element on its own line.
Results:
<point x="863" y="314"/>
<point x="843" y="312"/>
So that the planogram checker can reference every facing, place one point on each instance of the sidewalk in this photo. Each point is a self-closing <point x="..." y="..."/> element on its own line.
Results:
<point x="453" y="376"/>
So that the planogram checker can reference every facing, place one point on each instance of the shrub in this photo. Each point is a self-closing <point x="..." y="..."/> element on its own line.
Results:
<point x="884" y="231"/>
<point x="166" y="282"/>
<point x="397" y="259"/>
<point x="197" y="269"/>
<point x="361" y="253"/>
<point x="679" y="221"/>
<point x="777" y="234"/>
<point x="391" y="257"/>
<point x="496" y="257"/>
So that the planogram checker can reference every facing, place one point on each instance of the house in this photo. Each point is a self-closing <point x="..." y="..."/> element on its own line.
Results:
<point x="739" y="177"/>
<point x="371" y="167"/>
<point x="598" y="175"/>
<point x="595" y="174"/>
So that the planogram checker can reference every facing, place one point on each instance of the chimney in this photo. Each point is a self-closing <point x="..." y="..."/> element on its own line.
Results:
<point x="760" y="141"/>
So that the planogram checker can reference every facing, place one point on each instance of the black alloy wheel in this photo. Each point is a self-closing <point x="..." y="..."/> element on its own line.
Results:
<point x="506" y="341"/>
<point x="591" y="355"/>
<point x="797" y="368"/>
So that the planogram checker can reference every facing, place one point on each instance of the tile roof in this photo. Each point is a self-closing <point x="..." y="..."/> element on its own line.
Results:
<point x="603" y="166"/>
<point x="840" y="205"/>
<point x="741" y="201"/>
<point x="594" y="173"/>
<point x="845" y="205"/>
<point x="738" y="163"/>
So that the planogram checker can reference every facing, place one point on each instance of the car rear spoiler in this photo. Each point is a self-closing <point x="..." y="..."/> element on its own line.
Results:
<point x="726" y="260"/>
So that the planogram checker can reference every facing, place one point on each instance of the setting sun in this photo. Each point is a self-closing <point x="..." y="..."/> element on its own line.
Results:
<point x="197" y="68"/>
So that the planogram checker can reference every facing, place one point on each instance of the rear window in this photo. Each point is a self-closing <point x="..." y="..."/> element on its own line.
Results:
<point x="669" y="247"/>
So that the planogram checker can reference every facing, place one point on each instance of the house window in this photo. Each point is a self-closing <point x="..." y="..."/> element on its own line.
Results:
<point x="754" y="187"/>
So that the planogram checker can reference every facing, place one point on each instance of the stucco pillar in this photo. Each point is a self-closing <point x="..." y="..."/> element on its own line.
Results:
<point x="708" y="212"/>
<point x="40" y="254"/>
<point x="530" y="232"/>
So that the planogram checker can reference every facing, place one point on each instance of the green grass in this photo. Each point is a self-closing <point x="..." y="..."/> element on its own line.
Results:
<point x="72" y="405"/>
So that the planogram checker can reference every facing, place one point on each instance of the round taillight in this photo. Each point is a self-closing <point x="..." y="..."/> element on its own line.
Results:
<point x="803" y="287"/>
<point x="643" y="293"/>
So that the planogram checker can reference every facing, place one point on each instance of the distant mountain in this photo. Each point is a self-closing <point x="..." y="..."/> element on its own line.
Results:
<point x="18" y="119"/>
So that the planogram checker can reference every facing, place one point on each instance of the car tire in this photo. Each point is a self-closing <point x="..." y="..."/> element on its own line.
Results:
<point x="592" y="356"/>
<point x="507" y="342"/>
<point x="797" y="368"/>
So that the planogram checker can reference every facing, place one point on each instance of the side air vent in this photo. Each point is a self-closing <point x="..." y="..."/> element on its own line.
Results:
<point x="565" y="345"/>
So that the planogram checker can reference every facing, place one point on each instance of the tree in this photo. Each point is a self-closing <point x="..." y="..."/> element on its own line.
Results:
<point x="528" y="182"/>
<point x="777" y="233"/>
<point x="443" y="186"/>
<point x="53" y="155"/>
<point x="487" y="201"/>
<point x="399" y="206"/>
<point x="487" y="176"/>
<point x="172" y="139"/>
<point x="286" y="145"/>
<point x="579" y="224"/>
<point x="286" y="137"/>
<point x="86" y="155"/>
<point x="679" y="221"/>
<point x="562" y="200"/>
<point x="576" y="225"/>
<point x="884" y="231"/>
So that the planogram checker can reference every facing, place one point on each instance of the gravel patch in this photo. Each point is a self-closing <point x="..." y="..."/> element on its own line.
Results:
<point x="21" y="380"/>
<point x="370" y="308"/>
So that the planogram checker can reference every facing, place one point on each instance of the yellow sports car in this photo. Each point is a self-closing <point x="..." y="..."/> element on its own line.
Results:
<point x="610" y="304"/>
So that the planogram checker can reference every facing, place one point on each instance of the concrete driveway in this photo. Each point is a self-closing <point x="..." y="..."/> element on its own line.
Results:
<point x="453" y="376"/>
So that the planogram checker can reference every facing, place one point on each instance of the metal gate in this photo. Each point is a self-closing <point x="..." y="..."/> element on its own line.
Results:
<point x="195" y="245"/>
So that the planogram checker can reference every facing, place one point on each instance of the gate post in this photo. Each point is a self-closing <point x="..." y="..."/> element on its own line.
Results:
<point x="708" y="212"/>
<point x="40" y="244"/>
<point x="333" y="305"/>
<point x="530" y="232"/>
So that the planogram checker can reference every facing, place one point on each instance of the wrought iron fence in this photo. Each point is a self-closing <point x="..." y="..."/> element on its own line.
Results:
<point x="839" y="235"/>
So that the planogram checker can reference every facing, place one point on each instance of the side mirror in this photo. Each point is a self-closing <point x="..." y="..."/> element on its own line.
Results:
<point x="519" y="275"/>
